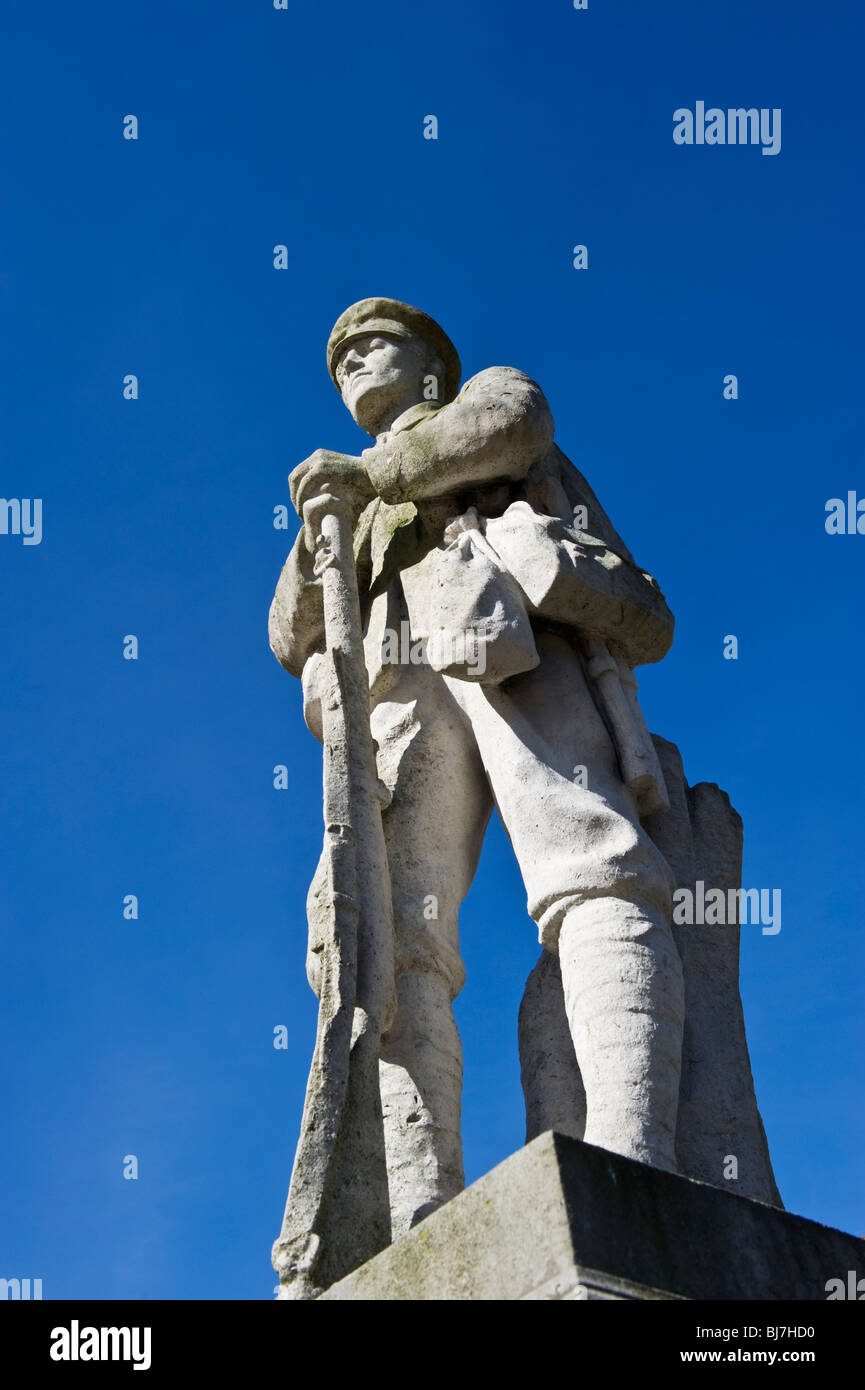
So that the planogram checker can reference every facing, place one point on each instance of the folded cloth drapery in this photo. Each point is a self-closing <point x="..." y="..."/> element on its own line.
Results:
<point x="549" y="559"/>
<point x="469" y="610"/>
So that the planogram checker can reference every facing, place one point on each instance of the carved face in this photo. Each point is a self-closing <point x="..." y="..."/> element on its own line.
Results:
<point x="379" y="377"/>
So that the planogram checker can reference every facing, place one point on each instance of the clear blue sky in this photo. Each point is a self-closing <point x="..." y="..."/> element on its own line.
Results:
<point x="154" y="777"/>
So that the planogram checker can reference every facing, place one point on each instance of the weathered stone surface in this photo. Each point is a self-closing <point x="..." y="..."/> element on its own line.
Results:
<point x="338" y="1210"/>
<point x="552" y="1085"/>
<point x="718" y="1114"/>
<point x="496" y="618"/>
<point x="562" y="1220"/>
<point x="718" y="1119"/>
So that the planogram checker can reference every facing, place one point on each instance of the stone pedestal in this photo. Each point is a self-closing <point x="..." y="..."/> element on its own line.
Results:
<point x="565" y="1220"/>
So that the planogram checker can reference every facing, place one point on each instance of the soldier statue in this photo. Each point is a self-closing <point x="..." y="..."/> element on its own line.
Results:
<point x="476" y="538"/>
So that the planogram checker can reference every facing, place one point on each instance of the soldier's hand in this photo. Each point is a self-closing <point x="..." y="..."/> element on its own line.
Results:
<point x="328" y="482"/>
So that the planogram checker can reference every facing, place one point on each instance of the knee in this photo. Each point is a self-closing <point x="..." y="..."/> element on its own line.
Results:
<point x="426" y="946"/>
<point x="423" y="1027"/>
<point x="637" y="908"/>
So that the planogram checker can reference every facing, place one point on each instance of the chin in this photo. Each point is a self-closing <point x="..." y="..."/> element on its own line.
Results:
<point x="363" y="410"/>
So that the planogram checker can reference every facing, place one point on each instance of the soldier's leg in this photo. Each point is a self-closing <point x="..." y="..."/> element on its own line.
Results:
<point x="599" y="890"/>
<point x="434" y="829"/>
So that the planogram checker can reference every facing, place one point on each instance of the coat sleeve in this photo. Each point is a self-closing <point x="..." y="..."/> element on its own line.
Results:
<point x="498" y="427"/>
<point x="597" y="588"/>
<point x="295" y="625"/>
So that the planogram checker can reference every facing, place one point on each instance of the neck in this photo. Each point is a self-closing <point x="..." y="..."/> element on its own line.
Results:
<point x="392" y="412"/>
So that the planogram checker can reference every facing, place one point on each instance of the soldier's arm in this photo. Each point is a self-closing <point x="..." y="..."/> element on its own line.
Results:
<point x="296" y="622"/>
<point x="499" y="426"/>
<point x="323" y="481"/>
<point x="620" y="604"/>
<point x="597" y="586"/>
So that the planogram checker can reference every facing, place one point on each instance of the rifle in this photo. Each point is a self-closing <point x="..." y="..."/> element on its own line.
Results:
<point x="337" y="1214"/>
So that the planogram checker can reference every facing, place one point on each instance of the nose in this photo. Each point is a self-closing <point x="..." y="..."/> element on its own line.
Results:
<point x="351" y="360"/>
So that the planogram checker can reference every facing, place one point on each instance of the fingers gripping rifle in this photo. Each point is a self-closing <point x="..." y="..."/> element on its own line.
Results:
<point x="337" y="1214"/>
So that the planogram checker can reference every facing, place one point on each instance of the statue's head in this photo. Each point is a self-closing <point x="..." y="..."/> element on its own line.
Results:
<point x="385" y="357"/>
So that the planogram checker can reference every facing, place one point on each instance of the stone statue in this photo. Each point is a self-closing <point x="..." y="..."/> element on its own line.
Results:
<point x="502" y="617"/>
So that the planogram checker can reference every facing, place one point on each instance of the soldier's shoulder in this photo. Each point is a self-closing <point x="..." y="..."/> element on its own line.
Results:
<point x="496" y="380"/>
